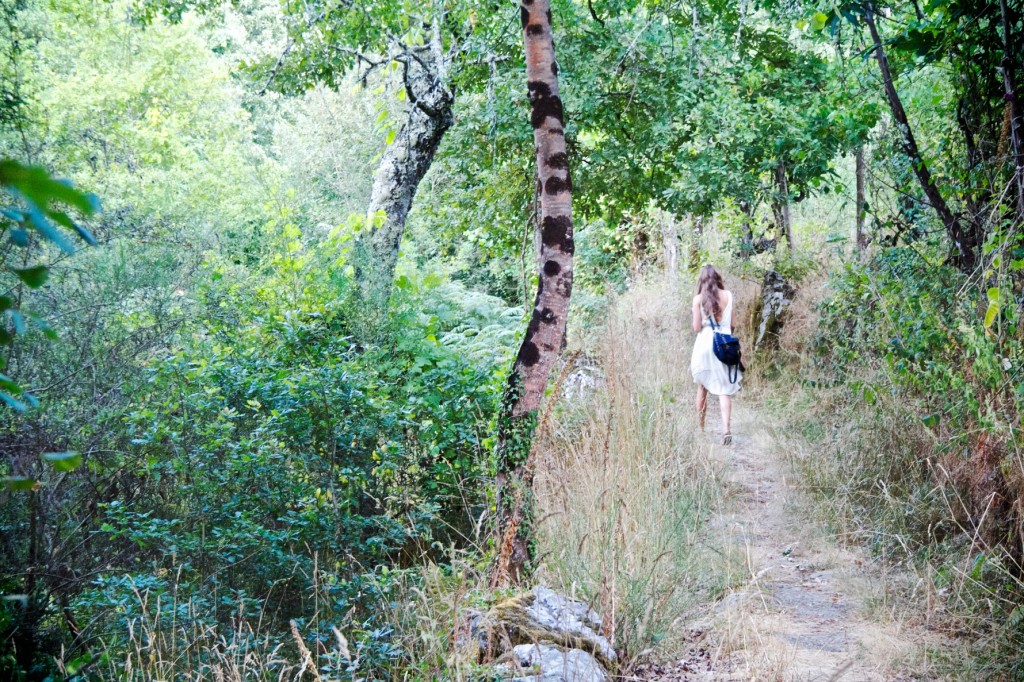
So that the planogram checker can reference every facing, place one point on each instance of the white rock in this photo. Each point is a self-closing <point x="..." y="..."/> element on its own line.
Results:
<point x="561" y="614"/>
<point x="548" y="663"/>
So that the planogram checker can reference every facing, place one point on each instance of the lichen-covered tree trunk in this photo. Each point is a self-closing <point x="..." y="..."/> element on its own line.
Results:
<point x="747" y="208"/>
<point x="546" y="330"/>
<point x="403" y="164"/>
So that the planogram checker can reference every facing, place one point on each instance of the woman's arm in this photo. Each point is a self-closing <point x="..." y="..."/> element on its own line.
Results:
<point x="732" y="309"/>
<point x="696" y="314"/>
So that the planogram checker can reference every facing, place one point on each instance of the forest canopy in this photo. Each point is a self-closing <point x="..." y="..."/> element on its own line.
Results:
<point x="291" y="292"/>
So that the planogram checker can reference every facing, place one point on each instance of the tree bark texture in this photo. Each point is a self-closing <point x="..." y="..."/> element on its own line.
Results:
<point x="966" y="238"/>
<point x="402" y="166"/>
<point x="782" y="210"/>
<point x="546" y="330"/>
<point x="696" y="241"/>
<point x="748" y="220"/>
<point x="1016" y="108"/>
<point x="860" y="201"/>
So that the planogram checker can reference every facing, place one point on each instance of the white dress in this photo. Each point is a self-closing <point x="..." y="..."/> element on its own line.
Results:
<point x="708" y="370"/>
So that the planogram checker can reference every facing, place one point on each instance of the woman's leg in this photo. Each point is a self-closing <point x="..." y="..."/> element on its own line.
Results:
<point x="725" y="402"/>
<point x="702" y="404"/>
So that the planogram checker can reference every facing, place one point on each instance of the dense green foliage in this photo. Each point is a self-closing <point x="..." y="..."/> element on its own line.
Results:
<point x="215" y="444"/>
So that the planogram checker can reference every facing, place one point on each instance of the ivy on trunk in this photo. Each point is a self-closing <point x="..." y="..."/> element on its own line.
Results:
<point x="546" y="331"/>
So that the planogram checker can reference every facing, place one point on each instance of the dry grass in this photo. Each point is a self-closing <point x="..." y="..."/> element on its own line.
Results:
<point x="624" y="486"/>
<point x="160" y="648"/>
<point x="877" y="480"/>
<point x="177" y="642"/>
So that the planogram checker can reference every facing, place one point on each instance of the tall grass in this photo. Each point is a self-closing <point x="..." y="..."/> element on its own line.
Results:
<point x="881" y="478"/>
<point x="625" y="482"/>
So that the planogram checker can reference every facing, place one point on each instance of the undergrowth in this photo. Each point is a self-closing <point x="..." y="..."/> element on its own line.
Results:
<point x="901" y="410"/>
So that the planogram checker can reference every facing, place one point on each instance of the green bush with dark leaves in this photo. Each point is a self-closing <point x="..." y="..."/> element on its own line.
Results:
<point x="279" y="465"/>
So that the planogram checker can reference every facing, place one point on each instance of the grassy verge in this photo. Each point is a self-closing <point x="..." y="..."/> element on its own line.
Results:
<point x="879" y="477"/>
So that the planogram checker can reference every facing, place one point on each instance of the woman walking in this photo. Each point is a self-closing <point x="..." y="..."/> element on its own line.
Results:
<point x="713" y="303"/>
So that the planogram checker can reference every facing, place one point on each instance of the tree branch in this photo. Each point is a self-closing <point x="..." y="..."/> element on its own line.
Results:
<point x="938" y="203"/>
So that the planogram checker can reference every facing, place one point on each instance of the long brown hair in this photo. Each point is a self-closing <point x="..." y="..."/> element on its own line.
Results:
<point x="709" y="283"/>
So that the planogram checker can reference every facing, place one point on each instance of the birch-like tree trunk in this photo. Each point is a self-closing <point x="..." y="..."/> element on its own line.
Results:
<point x="546" y="330"/>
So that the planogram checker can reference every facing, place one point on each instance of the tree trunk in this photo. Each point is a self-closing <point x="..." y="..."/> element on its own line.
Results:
<point x="966" y="241"/>
<point x="782" y="213"/>
<point x="860" y="202"/>
<point x="546" y="330"/>
<point x="696" y="239"/>
<point x="1016" y="109"/>
<point x="670" y="244"/>
<point x="747" y="240"/>
<point x="404" y="163"/>
<point x="748" y="220"/>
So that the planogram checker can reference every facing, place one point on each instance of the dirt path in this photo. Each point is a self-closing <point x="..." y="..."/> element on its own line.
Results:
<point x="810" y="610"/>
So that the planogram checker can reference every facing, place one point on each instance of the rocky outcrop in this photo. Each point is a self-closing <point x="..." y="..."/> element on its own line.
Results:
<point x="770" y="315"/>
<point x="540" y="636"/>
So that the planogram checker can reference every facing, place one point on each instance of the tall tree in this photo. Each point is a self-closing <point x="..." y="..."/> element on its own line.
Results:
<point x="403" y="165"/>
<point x="546" y="330"/>
<point x="964" y="190"/>
<point x="783" y="216"/>
<point x="428" y="43"/>
<point x="965" y="242"/>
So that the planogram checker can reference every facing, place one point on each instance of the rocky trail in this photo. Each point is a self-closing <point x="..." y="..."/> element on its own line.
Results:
<point x="811" y="609"/>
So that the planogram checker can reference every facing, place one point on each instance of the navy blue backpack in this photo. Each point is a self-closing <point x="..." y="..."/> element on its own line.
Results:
<point x="727" y="349"/>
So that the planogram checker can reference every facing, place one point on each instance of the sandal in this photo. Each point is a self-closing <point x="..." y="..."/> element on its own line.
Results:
<point x="726" y="439"/>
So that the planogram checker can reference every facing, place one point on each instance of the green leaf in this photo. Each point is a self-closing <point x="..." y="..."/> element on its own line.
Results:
<point x="63" y="461"/>
<point x="12" y="402"/>
<point x="18" y="320"/>
<point x="76" y="665"/>
<point x="19" y="483"/>
<point x="993" y="295"/>
<point x="391" y="136"/>
<point x="931" y="420"/>
<point x="33" y="277"/>
<point x="36" y="185"/>
<point x="990" y="314"/>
